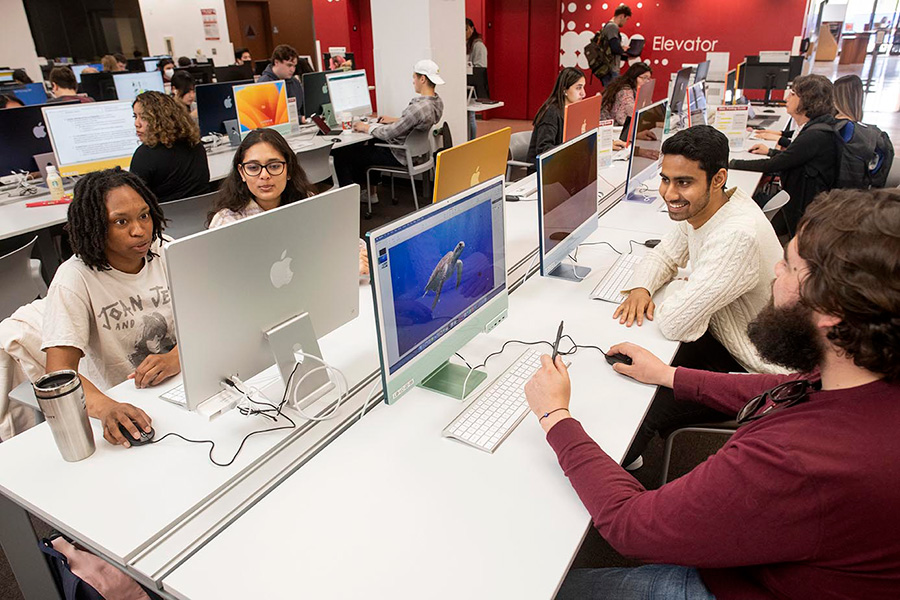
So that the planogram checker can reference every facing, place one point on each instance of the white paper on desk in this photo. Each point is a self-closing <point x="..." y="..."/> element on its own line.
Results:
<point x="605" y="144"/>
<point x="732" y="121"/>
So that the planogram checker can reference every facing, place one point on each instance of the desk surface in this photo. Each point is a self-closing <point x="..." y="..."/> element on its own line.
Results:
<point x="476" y="106"/>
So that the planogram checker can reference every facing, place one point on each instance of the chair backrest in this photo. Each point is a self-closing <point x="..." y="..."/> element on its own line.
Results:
<point x="189" y="215"/>
<point x="17" y="285"/>
<point x="518" y="145"/>
<point x="775" y="204"/>
<point x="893" y="178"/>
<point x="315" y="163"/>
<point x="419" y="143"/>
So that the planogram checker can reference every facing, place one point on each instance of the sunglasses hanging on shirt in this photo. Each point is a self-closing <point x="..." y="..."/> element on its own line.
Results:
<point x="779" y="397"/>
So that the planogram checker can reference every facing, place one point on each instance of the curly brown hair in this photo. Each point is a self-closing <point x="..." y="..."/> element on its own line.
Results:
<point x="816" y="93"/>
<point x="167" y="121"/>
<point x="850" y="240"/>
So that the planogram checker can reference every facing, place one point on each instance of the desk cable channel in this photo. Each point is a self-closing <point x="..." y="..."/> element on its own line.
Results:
<point x="252" y="406"/>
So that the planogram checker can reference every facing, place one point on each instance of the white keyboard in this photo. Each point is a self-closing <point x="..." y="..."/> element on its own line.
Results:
<point x="616" y="279"/>
<point x="492" y="416"/>
<point x="175" y="396"/>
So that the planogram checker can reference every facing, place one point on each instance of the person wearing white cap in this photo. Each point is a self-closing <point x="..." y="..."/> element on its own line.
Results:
<point x="422" y="112"/>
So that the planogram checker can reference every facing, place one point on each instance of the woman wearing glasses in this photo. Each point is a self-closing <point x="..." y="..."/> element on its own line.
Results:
<point x="171" y="160"/>
<point x="265" y="174"/>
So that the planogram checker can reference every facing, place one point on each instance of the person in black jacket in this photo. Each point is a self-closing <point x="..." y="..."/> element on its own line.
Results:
<point x="809" y="165"/>
<point x="171" y="160"/>
<point x="282" y="67"/>
<point x="548" y="122"/>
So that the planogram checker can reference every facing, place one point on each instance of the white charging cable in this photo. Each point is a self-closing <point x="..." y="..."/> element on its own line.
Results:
<point x="334" y="374"/>
<point x="369" y="398"/>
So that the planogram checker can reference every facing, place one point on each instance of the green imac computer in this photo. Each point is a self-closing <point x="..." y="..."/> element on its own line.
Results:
<point x="438" y="279"/>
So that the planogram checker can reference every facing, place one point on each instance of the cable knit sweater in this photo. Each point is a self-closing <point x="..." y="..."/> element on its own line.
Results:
<point x="733" y="257"/>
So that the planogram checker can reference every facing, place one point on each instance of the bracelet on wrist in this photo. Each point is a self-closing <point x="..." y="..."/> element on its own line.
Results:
<point x="547" y="414"/>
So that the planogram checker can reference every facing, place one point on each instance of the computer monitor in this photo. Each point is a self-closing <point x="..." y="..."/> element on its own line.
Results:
<point x="697" y="104"/>
<point x="30" y="93"/>
<point x="133" y="65"/>
<point x="259" y="66"/>
<point x="22" y="136"/>
<point x="315" y="92"/>
<point x="679" y="90"/>
<point x="730" y="83"/>
<point x="129" y="85"/>
<point x="567" y="203"/>
<point x="466" y="165"/>
<point x="215" y="105"/>
<point x="701" y="72"/>
<point x="644" y="99"/>
<point x="91" y="136"/>
<point x="349" y="92"/>
<point x="645" y="151"/>
<point x="262" y="105"/>
<point x="478" y="79"/>
<point x="234" y="73"/>
<point x="256" y="274"/>
<point x="99" y="86"/>
<point x="332" y="65"/>
<point x="581" y="117"/>
<point x="439" y="279"/>
<point x="201" y="73"/>
<point x="77" y="69"/>
<point x="151" y="63"/>
<point x="6" y="75"/>
<point x="757" y="75"/>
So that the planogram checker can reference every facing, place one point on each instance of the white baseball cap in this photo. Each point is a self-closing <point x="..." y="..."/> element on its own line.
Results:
<point x="429" y="69"/>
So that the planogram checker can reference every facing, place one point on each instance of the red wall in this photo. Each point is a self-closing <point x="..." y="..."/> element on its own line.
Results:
<point x="347" y="23"/>
<point x="741" y="28"/>
<point x="475" y="11"/>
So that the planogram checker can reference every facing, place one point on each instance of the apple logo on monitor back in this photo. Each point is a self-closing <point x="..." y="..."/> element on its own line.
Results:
<point x="280" y="274"/>
<point x="39" y="131"/>
<point x="475" y="176"/>
<point x="227" y="102"/>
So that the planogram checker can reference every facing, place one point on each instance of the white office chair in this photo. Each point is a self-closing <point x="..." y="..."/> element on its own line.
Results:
<point x="518" y="152"/>
<point x="893" y="178"/>
<point x="188" y="216"/>
<point x="318" y="164"/>
<point x="418" y="143"/>
<point x="20" y="279"/>
<point x="775" y="204"/>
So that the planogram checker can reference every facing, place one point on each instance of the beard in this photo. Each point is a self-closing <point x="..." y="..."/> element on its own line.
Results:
<point x="787" y="337"/>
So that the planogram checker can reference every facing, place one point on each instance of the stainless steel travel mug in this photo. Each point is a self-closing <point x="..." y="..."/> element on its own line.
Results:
<point x="61" y="399"/>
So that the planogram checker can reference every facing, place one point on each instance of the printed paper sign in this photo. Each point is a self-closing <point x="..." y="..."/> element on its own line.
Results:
<point x="732" y="121"/>
<point x="210" y="23"/>
<point x="605" y="144"/>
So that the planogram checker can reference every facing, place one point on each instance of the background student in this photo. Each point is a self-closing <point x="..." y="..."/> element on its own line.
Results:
<point x="613" y="37"/>
<point x="110" y="301"/>
<point x="10" y="101"/>
<point x="242" y="56"/>
<point x="620" y="96"/>
<point x="548" y="122"/>
<point x="476" y="56"/>
<point x="110" y="64"/>
<point x="281" y="68"/>
<point x="170" y="160"/>
<point x="184" y="61"/>
<point x="848" y="98"/>
<point x="21" y="77"/>
<point x="121" y="61"/>
<point x="807" y="167"/>
<point x="64" y="86"/>
<point x="183" y="89"/>
<point x="265" y="174"/>
<point x="167" y="67"/>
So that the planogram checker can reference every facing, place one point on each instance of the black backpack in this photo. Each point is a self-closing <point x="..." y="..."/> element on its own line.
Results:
<point x="865" y="154"/>
<point x="599" y="55"/>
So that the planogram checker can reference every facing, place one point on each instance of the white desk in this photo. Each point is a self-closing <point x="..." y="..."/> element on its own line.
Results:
<point x="475" y="106"/>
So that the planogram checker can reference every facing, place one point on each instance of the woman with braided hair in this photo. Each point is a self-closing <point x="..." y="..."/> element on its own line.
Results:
<point x="171" y="160"/>
<point x="111" y="300"/>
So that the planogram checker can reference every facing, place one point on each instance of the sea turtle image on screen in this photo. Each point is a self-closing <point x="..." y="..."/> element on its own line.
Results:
<point x="443" y="271"/>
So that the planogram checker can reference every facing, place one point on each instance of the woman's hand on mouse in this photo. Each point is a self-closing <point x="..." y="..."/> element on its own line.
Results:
<point x="130" y="417"/>
<point x="645" y="366"/>
<point x="549" y="390"/>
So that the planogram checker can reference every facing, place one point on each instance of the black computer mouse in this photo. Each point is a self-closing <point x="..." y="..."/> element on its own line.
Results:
<point x="652" y="243"/>
<point x="618" y="358"/>
<point x="337" y="140"/>
<point x="140" y="441"/>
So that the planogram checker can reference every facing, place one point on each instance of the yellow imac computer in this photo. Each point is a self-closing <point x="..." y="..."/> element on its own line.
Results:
<point x="92" y="136"/>
<point x="467" y="165"/>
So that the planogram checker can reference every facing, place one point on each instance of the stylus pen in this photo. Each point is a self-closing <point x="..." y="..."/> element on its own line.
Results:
<point x="556" y="343"/>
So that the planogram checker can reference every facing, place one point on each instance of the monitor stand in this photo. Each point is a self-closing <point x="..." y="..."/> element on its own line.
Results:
<point x="287" y="340"/>
<point x="572" y="272"/>
<point x="448" y="379"/>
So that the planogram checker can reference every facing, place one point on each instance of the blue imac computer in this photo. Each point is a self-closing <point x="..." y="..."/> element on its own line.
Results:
<point x="567" y="203"/>
<point x="438" y="279"/>
<point x="645" y="152"/>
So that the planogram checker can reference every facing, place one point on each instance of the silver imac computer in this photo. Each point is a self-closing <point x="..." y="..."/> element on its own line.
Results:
<point x="697" y="104"/>
<point x="439" y="279"/>
<point x="349" y="92"/>
<point x="257" y="291"/>
<point x="130" y="85"/>
<point x="645" y="151"/>
<point x="567" y="203"/>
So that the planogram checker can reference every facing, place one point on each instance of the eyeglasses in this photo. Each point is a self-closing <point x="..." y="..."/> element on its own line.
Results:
<point x="784" y="395"/>
<point x="253" y="169"/>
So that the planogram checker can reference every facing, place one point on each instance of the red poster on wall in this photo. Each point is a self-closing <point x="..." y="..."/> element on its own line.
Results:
<point x="679" y="32"/>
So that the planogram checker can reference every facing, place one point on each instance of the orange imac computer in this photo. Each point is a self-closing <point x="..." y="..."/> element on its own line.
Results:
<point x="467" y="165"/>
<point x="581" y="117"/>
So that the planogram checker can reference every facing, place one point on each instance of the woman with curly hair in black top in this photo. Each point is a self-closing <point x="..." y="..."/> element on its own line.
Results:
<point x="171" y="160"/>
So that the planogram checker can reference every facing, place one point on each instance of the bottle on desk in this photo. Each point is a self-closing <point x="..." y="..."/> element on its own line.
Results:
<point x="54" y="183"/>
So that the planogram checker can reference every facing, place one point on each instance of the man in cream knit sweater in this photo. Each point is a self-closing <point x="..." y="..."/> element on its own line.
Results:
<point x="732" y="250"/>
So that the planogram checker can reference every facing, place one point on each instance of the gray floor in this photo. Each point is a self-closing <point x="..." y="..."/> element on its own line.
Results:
<point x="881" y="109"/>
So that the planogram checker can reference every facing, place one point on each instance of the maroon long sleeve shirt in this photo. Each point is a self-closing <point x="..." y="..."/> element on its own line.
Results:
<point x="803" y="503"/>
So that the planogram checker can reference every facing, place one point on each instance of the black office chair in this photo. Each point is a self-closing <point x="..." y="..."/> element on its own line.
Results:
<point x="723" y="428"/>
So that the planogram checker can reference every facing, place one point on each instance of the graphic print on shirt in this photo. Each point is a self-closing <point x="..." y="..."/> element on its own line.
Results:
<point x="138" y="325"/>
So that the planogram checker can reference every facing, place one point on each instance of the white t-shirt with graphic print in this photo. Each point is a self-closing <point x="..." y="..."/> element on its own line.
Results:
<point x="116" y="318"/>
